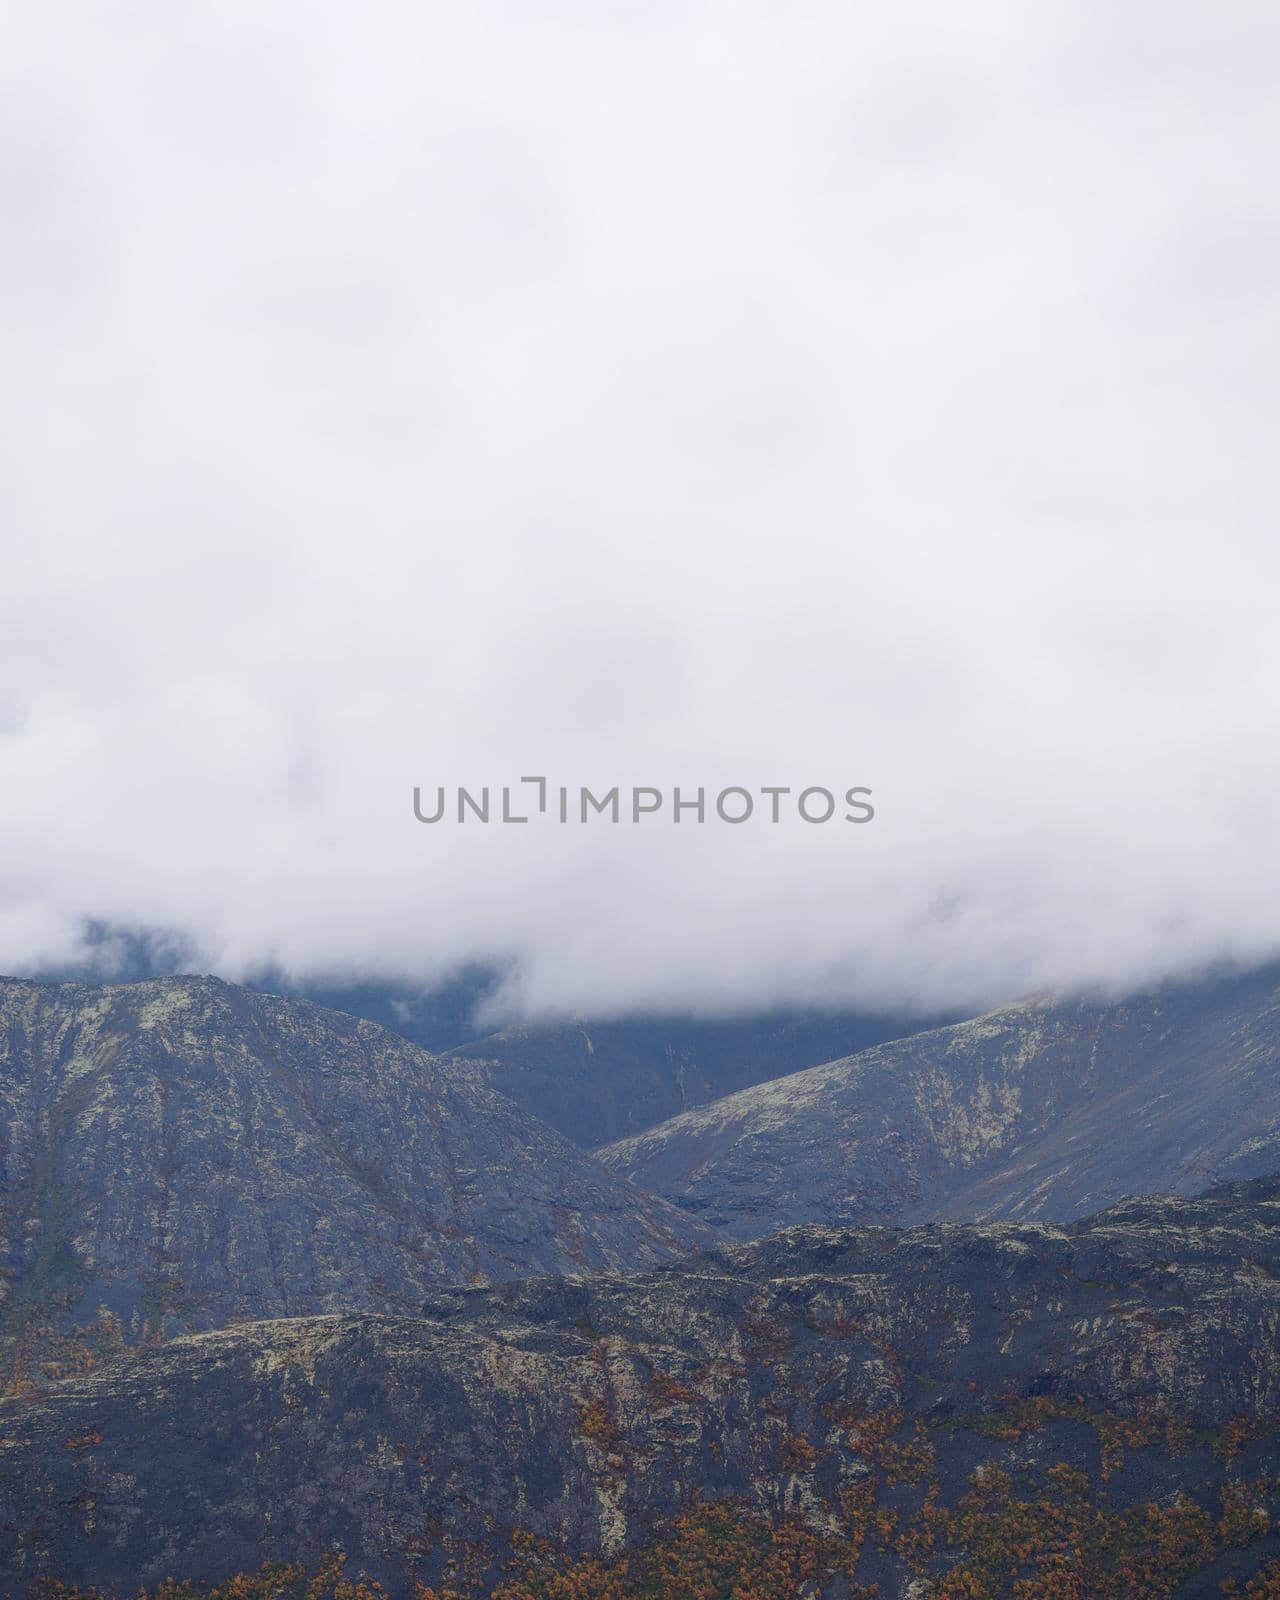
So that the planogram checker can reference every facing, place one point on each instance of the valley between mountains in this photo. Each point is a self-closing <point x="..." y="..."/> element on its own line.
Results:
<point x="278" y="1286"/>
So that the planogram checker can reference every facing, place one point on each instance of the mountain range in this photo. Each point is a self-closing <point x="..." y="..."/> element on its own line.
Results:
<point x="593" y="1079"/>
<point x="279" y="1285"/>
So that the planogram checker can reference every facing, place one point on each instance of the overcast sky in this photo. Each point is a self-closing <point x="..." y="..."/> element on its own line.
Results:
<point x="807" y="393"/>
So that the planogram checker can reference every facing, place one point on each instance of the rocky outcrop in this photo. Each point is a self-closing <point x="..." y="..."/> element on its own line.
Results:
<point x="180" y="1154"/>
<point x="1050" y="1110"/>
<point x="911" y="1403"/>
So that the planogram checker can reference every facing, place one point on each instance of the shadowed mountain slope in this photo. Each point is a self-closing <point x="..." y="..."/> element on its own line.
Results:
<point x="596" y="1081"/>
<point x="1046" y="1110"/>
<point x="1085" y="1411"/>
<point x="179" y="1153"/>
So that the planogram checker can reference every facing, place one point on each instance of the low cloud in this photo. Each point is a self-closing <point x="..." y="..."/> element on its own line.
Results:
<point x="664" y="394"/>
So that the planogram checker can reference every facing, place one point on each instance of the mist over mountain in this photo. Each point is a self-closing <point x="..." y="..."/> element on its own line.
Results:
<point x="665" y="395"/>
<point x="1046" y="1110"/>
<point x="681" y="600"/>
<point x="436" y="1015"/>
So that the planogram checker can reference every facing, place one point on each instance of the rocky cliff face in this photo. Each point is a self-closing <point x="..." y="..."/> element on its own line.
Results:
<point x="180" y="1154"/>
<point x="1045" y="1110"/>
<point x="1085" y="1411"/>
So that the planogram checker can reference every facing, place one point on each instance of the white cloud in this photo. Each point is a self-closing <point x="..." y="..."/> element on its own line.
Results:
<point x="657" y="394"/>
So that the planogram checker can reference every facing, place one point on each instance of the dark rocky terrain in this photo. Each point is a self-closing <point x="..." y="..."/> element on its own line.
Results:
<point x="1045" y="1110"/>
<point x="269" y="1291"/>
<point x="1060" y="1413"/>
<point x="178" y="1154"/>
<point x="597" y="1081"/>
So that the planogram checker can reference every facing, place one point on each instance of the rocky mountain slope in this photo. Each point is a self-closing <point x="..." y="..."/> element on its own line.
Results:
<point x="178" y="1154"/>
<point x="592" y="1080"/>
<point x="597" y="1081"/>
<point x="1048" y="1110"/>
<point x="1084" y="1412"/>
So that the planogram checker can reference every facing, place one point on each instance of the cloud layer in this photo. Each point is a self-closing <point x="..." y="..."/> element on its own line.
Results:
<point x="665" y="394"/>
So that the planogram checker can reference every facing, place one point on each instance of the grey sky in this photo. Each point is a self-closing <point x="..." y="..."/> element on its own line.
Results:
<point x="818" y="393"/>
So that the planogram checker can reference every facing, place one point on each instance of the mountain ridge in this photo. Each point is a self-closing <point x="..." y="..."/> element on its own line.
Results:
<point x="1050" y="1108"/>
<point x="887" y="1407"/>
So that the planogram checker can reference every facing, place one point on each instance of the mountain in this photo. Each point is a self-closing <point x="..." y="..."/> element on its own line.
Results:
<point x="592" y="1080"/>
<point x="1052" y="1109"/>
<point x="1089" y="1412"/>
<point x="178" y="1154"/>
<point x="436" y="1015"/>
<point x="598" y="1081"/>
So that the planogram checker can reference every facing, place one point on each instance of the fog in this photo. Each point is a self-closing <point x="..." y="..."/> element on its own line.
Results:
<point x="699" y="395"/>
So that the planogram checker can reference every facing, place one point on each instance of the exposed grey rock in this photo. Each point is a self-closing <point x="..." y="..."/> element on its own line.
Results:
<point x="179" y="1153"/>
<point x="1052" y="1109"/>
<point x="583" y="1409"/>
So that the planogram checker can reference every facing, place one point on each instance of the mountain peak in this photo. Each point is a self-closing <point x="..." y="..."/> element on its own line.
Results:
<point x="179" y="1153"/>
